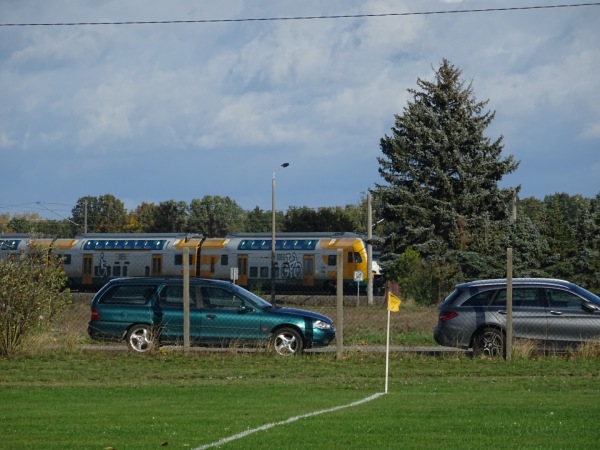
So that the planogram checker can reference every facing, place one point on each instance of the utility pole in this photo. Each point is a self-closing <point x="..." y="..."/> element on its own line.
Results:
<point x="369" y="249"/>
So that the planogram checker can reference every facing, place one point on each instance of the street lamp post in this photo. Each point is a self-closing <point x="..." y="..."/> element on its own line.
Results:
<point x="273" y="262"/>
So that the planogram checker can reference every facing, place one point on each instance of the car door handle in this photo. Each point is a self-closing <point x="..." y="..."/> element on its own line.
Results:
<point x="211" y="316"/>
<point x="556" y="313"/>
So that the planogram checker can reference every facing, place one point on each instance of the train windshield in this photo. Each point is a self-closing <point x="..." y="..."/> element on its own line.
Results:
<point x="9" y="245"/>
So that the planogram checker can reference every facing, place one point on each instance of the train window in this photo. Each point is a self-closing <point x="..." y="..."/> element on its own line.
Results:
<point x="298" y="245"/>
<point x="357" y="257"/>
<point x="255" y="245"/>
<point x="118" y="245"/>
<point x="178" y="260"/>
<point x="108" y="245"/>
<point x="224" y="260"/>
<point x="253" y="272"/>
<point x="288" y="245"/>
<point x="128" y="245"/>
<point x="264" y="272"/>
<point x="265" y="245"/>
<point x="137" y="245"/>
<point x="332" y="260"/>
<point x="350" y="257"/>
<point x="66" y="259"/>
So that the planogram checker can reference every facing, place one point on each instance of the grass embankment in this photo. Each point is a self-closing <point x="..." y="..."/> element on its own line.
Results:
<point x="99" y="400"/>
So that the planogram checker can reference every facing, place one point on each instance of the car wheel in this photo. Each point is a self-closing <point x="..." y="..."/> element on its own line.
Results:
<point x="489" y="342"/>
<point x="287" y="342"/>
<point x="140" y="338"/>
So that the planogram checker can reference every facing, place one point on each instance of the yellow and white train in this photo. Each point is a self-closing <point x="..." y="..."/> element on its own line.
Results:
<point x="302" y="260"/>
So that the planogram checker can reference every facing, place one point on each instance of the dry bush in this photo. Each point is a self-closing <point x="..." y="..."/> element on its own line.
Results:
<point x="589" y="349"/>
<point x="524" y="348"/>
<point x="31" y="295"/>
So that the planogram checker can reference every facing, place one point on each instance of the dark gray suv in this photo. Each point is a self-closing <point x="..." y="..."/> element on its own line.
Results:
<point x="554" y="313"/>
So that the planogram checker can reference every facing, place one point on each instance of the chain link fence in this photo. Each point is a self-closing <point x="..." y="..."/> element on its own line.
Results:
<point x="364" y="316"/>
<point x="364" y="325"/>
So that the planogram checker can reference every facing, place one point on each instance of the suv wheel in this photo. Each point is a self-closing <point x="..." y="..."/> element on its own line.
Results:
<point x="489" y="342"/>
<point x="140" y="338"/>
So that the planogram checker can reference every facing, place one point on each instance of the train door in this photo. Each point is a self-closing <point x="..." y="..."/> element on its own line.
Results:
<point x="242" y="264"/>
<point x="349" y="265"/>
<point x="156" y="265"/>
<point x="88" y="270"/>
<point x="308" y="270"/>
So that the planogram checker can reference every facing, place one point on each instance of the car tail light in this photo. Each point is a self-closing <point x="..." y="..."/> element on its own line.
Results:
<point x="95" y="314"/>
<point x="447" y="315"/>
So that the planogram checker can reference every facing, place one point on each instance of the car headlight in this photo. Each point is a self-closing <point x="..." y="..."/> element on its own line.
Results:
<point x="323" y="325"/>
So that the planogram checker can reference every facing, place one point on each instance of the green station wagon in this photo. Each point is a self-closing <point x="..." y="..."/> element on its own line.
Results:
<point x="148" y="312"/>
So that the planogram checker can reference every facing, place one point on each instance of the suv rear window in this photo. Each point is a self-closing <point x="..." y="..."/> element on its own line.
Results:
<point x="129" y="294"/>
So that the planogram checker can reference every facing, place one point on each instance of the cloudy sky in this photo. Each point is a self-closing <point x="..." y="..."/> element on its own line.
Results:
<point x="156" y="112"/>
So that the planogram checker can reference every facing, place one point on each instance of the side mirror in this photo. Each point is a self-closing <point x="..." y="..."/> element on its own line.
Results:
<point x="590" y="307"/>
<point x="245" y="309"/>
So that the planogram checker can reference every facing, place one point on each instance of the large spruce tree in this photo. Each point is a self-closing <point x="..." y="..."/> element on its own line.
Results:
<point x="441" y="194"/>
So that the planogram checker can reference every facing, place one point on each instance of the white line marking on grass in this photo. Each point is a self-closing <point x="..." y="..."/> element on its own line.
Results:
<point x="290" y="420"/>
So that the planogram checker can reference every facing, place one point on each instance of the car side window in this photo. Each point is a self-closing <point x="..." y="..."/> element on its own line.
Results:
<point x="128" y="294"/>
<point x="562" y="299"/>
<point x="480" y="299"/>
<point x="172" y="296"/>
<point x="219" y="298"/>
<point x="525" y="297"/>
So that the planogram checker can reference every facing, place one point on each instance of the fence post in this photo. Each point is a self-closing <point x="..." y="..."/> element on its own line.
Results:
<point x="509" y="304"/>
<point x="186" y="299"/>
<point x="339" y="338"/>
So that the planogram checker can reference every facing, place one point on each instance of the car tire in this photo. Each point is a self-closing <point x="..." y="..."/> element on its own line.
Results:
<point x="140" y="338"/>
<point x="287" y="342"/>
<point x="489" y="342"/>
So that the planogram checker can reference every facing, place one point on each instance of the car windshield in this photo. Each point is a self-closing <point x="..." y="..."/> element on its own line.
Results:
<point x="258" y="301"/>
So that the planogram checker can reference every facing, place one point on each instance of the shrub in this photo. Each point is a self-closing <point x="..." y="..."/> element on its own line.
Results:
<point x="32" y="292"/>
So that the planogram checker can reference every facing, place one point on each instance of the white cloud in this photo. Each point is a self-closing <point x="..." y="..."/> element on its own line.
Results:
<point x="319" y="93"/>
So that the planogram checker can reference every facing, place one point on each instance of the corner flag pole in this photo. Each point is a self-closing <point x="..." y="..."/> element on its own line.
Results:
<point x="393" y="305"/>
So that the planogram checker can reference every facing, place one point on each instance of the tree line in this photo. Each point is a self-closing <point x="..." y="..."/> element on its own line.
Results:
<point x="441" y="216"/>
<point x="210" y="216"/>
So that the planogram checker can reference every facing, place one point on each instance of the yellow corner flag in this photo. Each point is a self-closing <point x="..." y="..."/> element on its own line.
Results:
<point x="393" y="303"/>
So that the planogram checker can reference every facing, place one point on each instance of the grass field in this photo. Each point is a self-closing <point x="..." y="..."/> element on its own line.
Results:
<point x="118" y="400"/>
